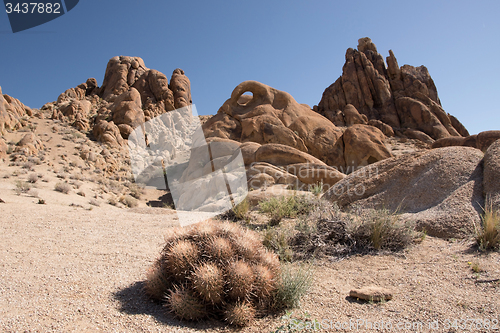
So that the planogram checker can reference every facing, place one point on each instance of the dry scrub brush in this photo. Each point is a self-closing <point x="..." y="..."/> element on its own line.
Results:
<point x="488" y="234"/>
<point x="216" y="270"/>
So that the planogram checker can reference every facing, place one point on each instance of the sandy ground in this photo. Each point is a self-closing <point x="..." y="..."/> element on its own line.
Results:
<point x="71" y="266"/>
<point x="72" y="269"/>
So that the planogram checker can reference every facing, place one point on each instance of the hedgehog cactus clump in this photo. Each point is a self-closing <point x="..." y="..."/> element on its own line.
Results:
<point x="217" y="270"/>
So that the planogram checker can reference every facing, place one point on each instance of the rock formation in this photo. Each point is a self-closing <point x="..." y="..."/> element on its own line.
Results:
<point x="401" y="97"/>
<point x="130" y="94"/>
<point x="440" y="190"/>
<point x="11" y="113"/>
<point x="277" y="132"/>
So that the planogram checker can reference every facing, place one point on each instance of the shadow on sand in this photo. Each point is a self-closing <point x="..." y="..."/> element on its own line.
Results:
<point x="133" y="301"/>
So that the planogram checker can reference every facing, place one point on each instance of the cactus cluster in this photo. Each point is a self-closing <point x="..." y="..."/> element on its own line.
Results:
<point x="214" y="269"/>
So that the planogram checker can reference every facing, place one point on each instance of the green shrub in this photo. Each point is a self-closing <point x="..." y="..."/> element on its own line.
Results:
<point x="285" y="206"/>
<point x="294" y="283"/>
<point x="22" y="187"/>
<point x="278" y="240"/>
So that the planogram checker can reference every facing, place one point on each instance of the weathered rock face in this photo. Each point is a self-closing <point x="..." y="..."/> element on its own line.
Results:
<point x="401" y="97"/>
<point x="130" y="94"/>
<point x="30" y="144"/>
<point x="11" y="112"/>
<point x="3" y="149"/>
<point x="364" y="145"/>
<point x="446" y="185"/>
<point x="491" y="181"/>
<point x="274" y="117"/>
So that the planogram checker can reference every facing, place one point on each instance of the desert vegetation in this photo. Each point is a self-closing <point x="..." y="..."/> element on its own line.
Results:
<point x="222" y="270"/>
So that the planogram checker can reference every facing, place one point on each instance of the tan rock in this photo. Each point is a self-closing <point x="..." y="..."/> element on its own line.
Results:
<point x="283" y="155"/>
<point x="372" y="294"/>
<point x="107" y="133"/>
<point x="384" y="128"/>
<point x="446" y="189"/>
<point x="352" y="116"/>
<point x="11" y="111"/>
<point x="491" y="181"/>
<point x="418" y="135"/>
<point x="127" y="112"/>
<point x="309" y="173"/>
<point x="3" y="149"/>
<point x="271" y="116"/>
<point x="451" y="141"/>
<point x="486" y="138"/>
<point x="30" y="144"/>
<point x="364" y="145"/>
<point x="279" y="175"/>
<point x="248" y="150"/>
<point x="261" y="180"/>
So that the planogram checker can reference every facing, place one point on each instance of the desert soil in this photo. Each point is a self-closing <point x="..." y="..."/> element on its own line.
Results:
<point x="77" y="264"/>
<point x="75" y="269"/>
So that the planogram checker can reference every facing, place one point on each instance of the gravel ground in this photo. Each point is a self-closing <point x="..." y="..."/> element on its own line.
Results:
<point x="71" y="269"/>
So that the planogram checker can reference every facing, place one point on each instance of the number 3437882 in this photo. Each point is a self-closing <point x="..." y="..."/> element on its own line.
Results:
<point x="33" y="8"/>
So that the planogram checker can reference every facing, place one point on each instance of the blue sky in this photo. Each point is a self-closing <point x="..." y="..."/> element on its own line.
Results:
<point x="295" y="46"/>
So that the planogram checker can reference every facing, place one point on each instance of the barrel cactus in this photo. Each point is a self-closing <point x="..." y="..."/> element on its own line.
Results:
<point x="217" y="270"/>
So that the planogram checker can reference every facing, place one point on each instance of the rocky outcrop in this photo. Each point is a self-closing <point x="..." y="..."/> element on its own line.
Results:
<point x="29" y="145"/>
<point x="401" y="97"/>
<point x="3" y="149"/>
<point x="491" y="181"/>
<point x="364" y="145"/>
<point x="130" y="94"/>
<point x="446" y="196"/>
<point x="11" y="113"/>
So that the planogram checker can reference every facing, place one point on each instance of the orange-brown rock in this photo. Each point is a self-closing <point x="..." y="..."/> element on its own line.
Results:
<point x="364" y="145"/>
<point x="418" y="135"/>
<point x="401" y="97"/>
<point x="127" y="112"/>
<point x="107" y="133"/>
<point x="384" y="128"/>
<point x="271" y="116"/>
<point x="486" y="138"/>
<point x="278" y="154"/>
<point x="30" y="144"/>
<point x="181" y="88"/>
<point x="121" y="73"/>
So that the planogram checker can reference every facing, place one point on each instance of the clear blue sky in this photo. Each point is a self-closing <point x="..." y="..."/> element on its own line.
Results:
<point x="295" y="46"/>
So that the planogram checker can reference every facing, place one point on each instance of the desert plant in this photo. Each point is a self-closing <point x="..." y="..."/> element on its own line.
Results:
<point x="285" y="206"/>
<point x="241" y="210"/>
<point x="22" y="187"/>
<point x="215" y="269"/>
<point x="63" y="187"/>
<point x="135" y="190"/>
<point x="278" y="240"/>
<point x="94" y="202"/>
<point x="381" y="229"/>
<point x="129" y="201"/>
<point x="33" y="178"/>
<point x="295" y="281"/>
<point x="316" y="189"/>
<point x="488" y="234"/>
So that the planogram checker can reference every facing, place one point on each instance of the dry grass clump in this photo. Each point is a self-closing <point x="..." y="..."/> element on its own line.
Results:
<point x="63" y="187"/>
<point x="22" y="187"/>
<point x="488" y="234"/>
<point x="129" y="201"/>
<point x="285" y="206"/>
<point x="328" y="230"/>
<point x="216" y="270"/>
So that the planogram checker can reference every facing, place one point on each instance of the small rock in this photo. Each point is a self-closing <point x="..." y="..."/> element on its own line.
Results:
<point x="371" y="293"/>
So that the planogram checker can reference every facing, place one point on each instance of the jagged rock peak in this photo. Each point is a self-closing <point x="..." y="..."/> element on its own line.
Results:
<point x="401" y="97"/>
